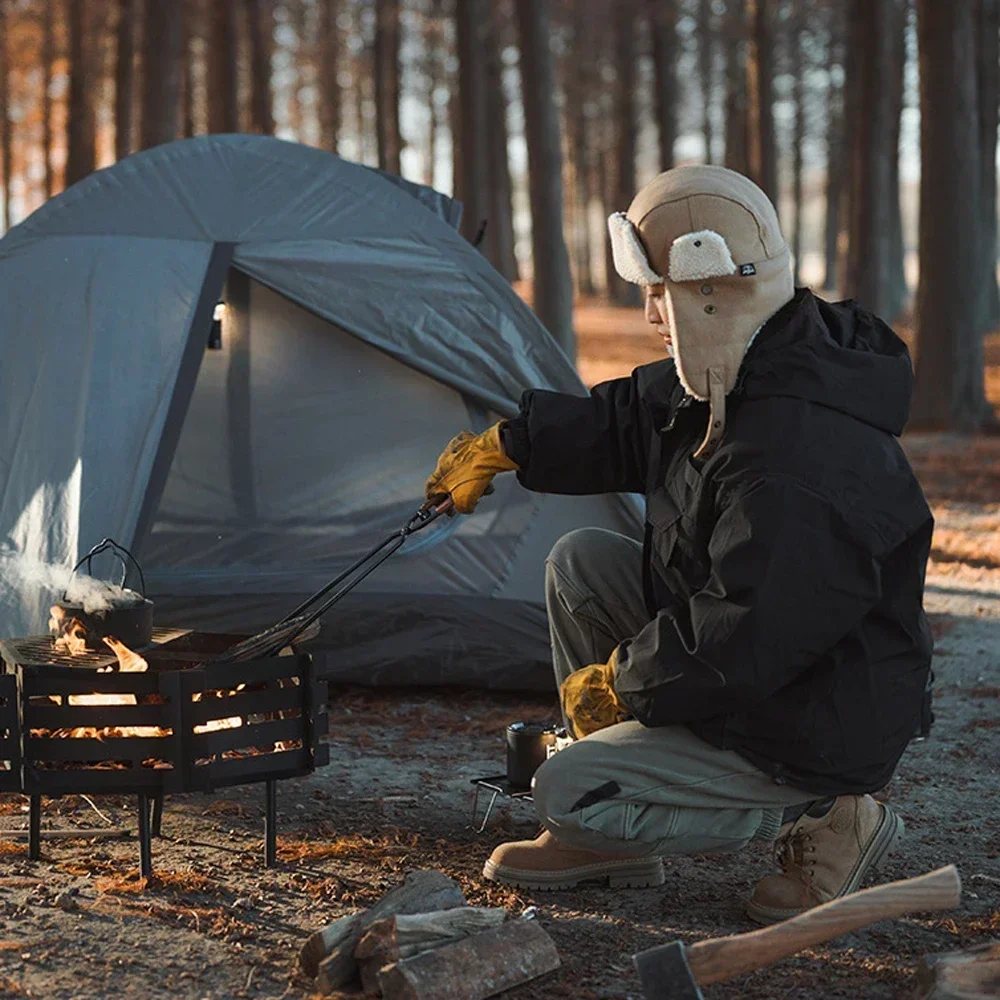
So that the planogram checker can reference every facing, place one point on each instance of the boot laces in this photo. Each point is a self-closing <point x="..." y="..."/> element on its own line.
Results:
<point x="795" y="851"/>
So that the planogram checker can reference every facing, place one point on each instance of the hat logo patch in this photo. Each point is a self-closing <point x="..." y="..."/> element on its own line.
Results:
<point x="747" y="270"/>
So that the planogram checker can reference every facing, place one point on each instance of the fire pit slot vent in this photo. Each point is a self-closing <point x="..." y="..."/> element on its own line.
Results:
<point x="68" y="725"/>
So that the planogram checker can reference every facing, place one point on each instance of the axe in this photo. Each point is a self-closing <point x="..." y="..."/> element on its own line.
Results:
<point x="675" y="972"/>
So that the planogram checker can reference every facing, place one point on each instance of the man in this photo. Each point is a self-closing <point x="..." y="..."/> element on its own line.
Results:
<point x="757" y="667"/>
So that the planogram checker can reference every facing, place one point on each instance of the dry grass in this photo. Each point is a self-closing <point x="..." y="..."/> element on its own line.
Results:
<point x="984" y="692"/>
<point x="213" y="921"/>
<point x="224" y="807"/>
<point x="354" y="846"/>
<point x="979" y="550"/>
<point x="129" y="883"/>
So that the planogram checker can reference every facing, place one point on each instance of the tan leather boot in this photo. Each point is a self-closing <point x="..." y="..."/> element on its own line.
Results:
<point x="824" y="858"/>
<point x="545" y="863"/>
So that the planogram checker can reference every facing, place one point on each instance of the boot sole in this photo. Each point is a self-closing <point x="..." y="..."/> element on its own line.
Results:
<point x="889" y="832"/>
<point x="630" y="873"/>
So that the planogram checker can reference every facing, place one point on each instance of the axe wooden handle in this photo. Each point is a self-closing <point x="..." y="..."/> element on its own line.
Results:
<point x="722" y="958"/>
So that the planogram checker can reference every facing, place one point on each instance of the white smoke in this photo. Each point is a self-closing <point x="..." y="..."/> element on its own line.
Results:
<point x="20" y="574"/>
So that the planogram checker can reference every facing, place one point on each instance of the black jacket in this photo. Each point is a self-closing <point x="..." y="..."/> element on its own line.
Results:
<point x="784" y="574"/>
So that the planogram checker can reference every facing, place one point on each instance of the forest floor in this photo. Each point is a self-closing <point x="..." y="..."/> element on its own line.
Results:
<point x="397" y="796"/>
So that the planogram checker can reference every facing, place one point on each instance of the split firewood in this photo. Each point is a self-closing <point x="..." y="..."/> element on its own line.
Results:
<point x="403" y="936"/>
<point x="473" y="968"/>
<point x="960" y="975"/>
<point x="329" y="953"/>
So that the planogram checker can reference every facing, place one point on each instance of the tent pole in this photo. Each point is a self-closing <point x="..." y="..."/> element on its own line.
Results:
<point x="197" y="340"/>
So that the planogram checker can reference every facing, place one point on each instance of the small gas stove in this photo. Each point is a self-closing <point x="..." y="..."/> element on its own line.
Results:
<point x="78" y="724"/>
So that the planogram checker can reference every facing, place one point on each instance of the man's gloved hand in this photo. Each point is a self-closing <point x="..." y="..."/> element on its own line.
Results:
<point x="589" y="701"/>
<point x="467" y="467"/>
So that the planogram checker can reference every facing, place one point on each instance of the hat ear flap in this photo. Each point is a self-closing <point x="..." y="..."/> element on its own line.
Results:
<point x="630" y="258"/>
<point x="701" y="255"/>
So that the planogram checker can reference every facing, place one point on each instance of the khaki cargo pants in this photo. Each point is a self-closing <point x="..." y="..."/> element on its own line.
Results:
<point x="627" y="788"/>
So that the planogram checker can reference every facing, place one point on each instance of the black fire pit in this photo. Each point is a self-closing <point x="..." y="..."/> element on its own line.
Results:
<point x="183" y="725"/>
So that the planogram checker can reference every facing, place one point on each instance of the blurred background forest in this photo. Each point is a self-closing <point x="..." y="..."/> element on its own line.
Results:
<point x="872" y="123"/>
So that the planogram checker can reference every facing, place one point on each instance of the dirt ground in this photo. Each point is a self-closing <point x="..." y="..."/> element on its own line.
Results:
<point x="397" y="796"/>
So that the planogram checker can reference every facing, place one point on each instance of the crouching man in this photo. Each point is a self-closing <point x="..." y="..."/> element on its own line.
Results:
<point x="756" y="668"/>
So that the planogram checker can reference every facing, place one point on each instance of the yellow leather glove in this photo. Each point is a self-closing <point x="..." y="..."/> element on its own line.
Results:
<point x="589" y="701"/>
<point x="467" y="467"/>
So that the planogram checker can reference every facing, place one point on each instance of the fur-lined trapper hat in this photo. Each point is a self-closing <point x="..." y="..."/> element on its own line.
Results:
<point x="711" y="238"/>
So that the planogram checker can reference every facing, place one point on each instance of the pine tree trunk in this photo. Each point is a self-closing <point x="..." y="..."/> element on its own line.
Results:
<point x="260" y="34"/>
<point x="798" y="142"/>
<point x="737" y="153"/>
<point x="363" y="89"/>
<point x="298" y="70"/>
<point x="435" y="77"/>
<point x="473" y="147"/>
<point x="553" y="285"/>
<point x="223" y="67"/>
<point x="989" y="97"/>
<point x="706" y="60"/>
<point x="866" y="276"/>
<point x="500" y="232"/>
<point x="897" y="293"/>
<point x="662" y="16"/>
<point x="124" y="78"/>
<point x="625" y="121"/>
<point x="390" y="141"/>
<point x="187" y="71"/>
<point x="762" y="151"/>
<point x="6" y="126"/>
<point x="161" y="77"/>
<point x="949" y="392"/>
<point x="48" y="68"/>
<point x="330" y="94"/>
<point x="578" y="86"/>
<point x="835" y="139"/>
<point x="80" y="146"/>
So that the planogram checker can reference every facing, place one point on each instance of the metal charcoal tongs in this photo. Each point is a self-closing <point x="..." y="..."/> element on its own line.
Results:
<point x="275" y="638"/>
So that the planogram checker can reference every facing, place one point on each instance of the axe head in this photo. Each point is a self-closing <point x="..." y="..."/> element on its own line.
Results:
<point x="665" y="974"/>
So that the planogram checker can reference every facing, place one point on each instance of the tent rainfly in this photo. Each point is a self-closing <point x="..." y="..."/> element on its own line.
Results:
<point x="359" y="332"/>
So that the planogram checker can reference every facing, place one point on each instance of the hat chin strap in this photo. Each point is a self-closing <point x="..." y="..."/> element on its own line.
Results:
<point x="716" y="413"/>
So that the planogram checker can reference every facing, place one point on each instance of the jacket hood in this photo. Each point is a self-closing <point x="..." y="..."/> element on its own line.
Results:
<point x="835" y="354"/>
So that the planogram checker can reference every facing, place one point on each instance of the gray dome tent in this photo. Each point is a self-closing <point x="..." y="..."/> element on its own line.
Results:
<point x="360" y="332"/>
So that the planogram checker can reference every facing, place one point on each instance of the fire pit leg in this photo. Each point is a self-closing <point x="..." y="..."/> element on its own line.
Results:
<point x="145" y="846"/>
<point x="271" y="825"/>
<point x="157" y="814"/>
<point x="35" y="827"/>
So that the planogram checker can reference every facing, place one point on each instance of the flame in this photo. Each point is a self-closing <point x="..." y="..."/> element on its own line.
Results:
<point x="71" y="636"/>
<point x="71" y="639"/>
<point x="128" y="661"/>
<point x="212" y="725"/>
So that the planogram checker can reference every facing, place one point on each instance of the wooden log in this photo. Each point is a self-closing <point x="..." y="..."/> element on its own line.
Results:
<point x="323" y="942"/>
<point x="403" y="936"/>
<point x="473" y="968"/>
<point x="329" y="954"/>
<point x="960" y="975"/>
